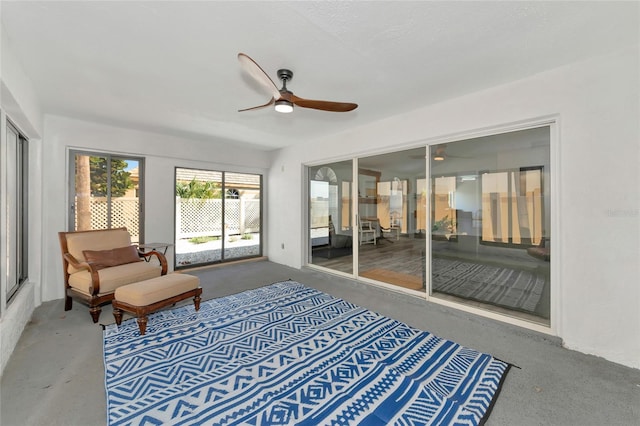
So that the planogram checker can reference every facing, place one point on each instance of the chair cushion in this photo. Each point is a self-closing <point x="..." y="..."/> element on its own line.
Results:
<point x="154" y="290"/>
<point x="115" y="276"/>
<point x="77" y="242"/>
<point x="114" y="257"/>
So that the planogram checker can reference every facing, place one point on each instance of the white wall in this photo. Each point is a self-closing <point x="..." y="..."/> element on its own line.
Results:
<point x="19" y="99"/>
<point x="596" y="167"/>
<point x="162" y="154"/>
<point x="20" y="105"/>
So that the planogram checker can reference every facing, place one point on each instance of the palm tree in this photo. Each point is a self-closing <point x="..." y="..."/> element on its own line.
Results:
<point x="83" y="193"/>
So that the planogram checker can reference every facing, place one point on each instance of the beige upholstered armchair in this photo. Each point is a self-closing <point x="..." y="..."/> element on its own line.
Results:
<point x="97" y="262"/>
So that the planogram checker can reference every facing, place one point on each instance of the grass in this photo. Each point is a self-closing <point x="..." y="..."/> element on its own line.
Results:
<point x="233" y="238"/>
<point x="202" y="240"/>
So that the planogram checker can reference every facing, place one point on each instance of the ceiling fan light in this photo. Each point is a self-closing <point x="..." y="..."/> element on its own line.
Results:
<point x="284" y="106"/>
<point x="438" y="157"/>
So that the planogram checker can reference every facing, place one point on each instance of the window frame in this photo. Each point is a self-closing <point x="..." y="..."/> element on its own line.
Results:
<point x="19" y="221"/>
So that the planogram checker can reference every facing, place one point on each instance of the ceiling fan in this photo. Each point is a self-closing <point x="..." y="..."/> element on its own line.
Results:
<point x="283" y="99"/>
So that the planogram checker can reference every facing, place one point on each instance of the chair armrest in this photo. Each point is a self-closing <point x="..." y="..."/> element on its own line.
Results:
<point x="161" y="258"/>
<point x="74" y="262"/>
<point x="89" y="266"/>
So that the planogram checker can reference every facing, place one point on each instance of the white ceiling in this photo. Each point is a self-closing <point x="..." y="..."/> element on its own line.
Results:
<point x="172" y="67"/>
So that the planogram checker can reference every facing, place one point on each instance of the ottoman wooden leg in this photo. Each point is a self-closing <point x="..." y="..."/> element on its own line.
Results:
<point x="142" y="324"/>
<point x="117" y="314"/>
<point x="196" y="302"/>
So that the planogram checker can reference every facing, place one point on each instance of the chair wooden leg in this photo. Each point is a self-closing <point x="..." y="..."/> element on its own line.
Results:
<point x="142" y="324"/>
<point x="117" y="314"/>
<point x="68" y="301"/>
<point x="95" y="313"/>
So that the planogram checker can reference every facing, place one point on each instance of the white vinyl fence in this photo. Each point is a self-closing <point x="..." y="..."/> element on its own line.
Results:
<point x="197" y="217"/>
<point x="194" y="217"/>
<point x="124" y="212"/>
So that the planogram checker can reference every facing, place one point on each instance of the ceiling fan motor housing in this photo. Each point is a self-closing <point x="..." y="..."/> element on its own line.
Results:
<point x="285" y="75"/>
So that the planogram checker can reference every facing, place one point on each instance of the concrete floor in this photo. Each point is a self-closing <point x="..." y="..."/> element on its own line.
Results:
<point x="56" y="375"/>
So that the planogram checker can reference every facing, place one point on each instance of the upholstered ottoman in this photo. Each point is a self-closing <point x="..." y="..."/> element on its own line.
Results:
<point x="144" y="297"/>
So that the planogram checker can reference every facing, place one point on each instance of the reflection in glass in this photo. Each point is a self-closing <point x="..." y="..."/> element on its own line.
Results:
<point x="392" y="199"/>
<point x="330" y="229"/>
<point x="490" y="230"/>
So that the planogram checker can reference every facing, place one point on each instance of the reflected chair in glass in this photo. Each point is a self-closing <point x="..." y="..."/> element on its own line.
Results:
<point x="366" y="231"/>
<point x="395" y="224"/>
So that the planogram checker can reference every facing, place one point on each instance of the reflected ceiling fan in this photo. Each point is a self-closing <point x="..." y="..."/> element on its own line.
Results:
<point x="283" y="99"/>
<point x="440" y="154"/>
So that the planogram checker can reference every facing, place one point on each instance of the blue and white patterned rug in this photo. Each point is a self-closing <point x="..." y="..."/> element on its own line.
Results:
<point x="288" y="354"/>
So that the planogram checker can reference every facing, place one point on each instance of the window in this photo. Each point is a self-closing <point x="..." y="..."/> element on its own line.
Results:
<point x="17" y="209"/>
<point x="211" y="228"/>
<point x="106" y="192"/>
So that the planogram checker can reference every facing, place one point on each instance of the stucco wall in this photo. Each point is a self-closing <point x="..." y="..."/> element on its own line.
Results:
<point x="14" y="320"/>
<point x="595" y="164"/>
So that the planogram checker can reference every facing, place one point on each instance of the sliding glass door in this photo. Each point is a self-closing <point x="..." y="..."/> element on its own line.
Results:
<point x="107" y="193"/>
<point x="380" y="223"/>
<point x="17" y="184"/>
<point x="490" y="223"/>
<point x="218" y="216"/>
<point x="476" y="231"/>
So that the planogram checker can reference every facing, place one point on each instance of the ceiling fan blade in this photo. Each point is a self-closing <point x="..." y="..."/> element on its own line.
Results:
<point x="322" y="105"/>
<point x="251" y="67"/>
<point x="271" y="102"/>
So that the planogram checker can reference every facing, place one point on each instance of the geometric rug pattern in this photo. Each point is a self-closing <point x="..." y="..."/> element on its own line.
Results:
<point x="288" y="354"/>
<point x="510" y="288"/>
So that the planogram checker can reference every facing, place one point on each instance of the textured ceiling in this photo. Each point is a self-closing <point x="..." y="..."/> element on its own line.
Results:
<point x="171" y="67"/>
